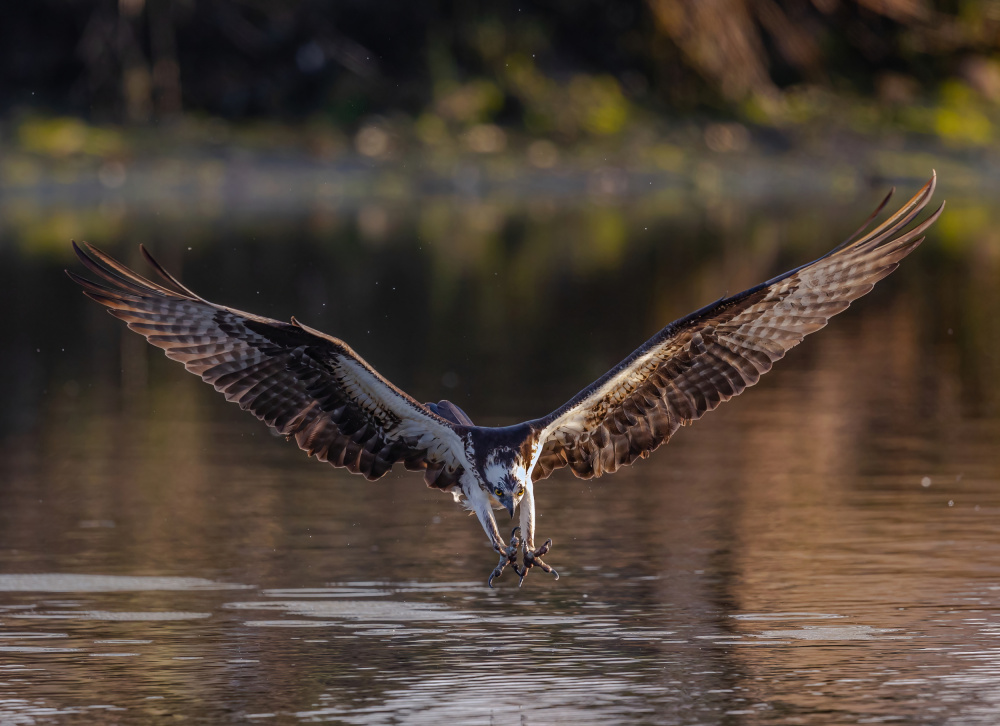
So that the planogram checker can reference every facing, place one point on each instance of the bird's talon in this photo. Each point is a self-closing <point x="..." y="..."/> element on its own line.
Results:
<point x="497" y="571"/>
<point x="505" y="559"/>
<point x="508" y="556"/>
<point x="533" y="558"/>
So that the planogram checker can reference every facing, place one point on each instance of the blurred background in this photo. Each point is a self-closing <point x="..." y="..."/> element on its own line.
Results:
<point x="129" y="95"/>
<point x="433" y="73"/>
<point x="111" y="109"/>
<point x="495" y="203"/>
<point x="505" y="160"/>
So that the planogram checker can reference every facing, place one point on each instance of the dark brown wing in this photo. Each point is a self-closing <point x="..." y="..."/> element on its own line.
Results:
<point x="301" y="382"/>
<point x="695" y="363"/>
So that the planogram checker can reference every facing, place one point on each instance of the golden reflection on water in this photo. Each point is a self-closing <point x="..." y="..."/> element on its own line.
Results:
<point x="825" y="544"/>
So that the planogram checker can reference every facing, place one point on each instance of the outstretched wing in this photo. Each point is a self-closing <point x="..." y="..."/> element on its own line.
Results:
<point x="699" y="361"/>
<point x="301" y="382"/>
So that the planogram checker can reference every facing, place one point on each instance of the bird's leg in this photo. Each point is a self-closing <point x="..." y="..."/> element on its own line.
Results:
<point x="508" y="556"/>
<point x="532" y="556"/>
<point x="480" y="504"/>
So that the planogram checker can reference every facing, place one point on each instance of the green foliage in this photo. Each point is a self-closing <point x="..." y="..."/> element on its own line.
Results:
<point x="63" y="137"/>
<point x="580" y="78"/>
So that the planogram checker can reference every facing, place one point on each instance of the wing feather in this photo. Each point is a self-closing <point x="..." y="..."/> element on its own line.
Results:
<point x="714" y="354"/>
<point x="303" y="383"/>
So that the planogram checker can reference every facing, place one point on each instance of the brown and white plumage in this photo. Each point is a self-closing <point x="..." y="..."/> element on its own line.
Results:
<point x="713" y="354"/>
<point x="303" y="383"/>
<point x="313" y="387"/>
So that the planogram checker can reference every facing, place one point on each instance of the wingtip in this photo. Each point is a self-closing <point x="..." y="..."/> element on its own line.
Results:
<point x="878" y="210"/>
<point x="934" y="215"/>
<point x="166" y="275"/>
<point x="86" y="251"/>
<point x="148" y="257"/>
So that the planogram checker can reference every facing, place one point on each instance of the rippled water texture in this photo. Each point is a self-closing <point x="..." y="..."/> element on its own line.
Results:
<point x="824" y="549"/>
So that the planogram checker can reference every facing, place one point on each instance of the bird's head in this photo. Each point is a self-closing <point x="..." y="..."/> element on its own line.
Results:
<point x="505" y="478"/>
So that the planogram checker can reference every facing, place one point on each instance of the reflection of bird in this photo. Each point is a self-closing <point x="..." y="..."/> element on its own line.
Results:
<point x="313" y="387"/>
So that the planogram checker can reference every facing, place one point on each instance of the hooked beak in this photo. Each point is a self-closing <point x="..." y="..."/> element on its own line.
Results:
<point x="508" y="503"/>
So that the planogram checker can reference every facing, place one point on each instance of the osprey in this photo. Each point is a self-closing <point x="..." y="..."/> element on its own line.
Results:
<point x="314" y="388"/>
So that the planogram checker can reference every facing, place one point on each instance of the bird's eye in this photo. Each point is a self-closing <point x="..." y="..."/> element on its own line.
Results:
<point x="498" y="491"/>
<point x="520" y="492"/>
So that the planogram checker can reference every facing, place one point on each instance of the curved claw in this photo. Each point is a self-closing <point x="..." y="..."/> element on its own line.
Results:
<point x="534" y="559"/>
<point x="497" y="571"/>
<point x="508" y="556"/>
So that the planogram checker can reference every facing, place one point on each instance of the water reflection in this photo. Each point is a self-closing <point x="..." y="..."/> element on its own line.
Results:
<point x="826" y="544"/>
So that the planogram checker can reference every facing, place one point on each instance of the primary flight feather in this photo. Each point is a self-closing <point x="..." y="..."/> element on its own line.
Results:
<point x="314" y="388"/>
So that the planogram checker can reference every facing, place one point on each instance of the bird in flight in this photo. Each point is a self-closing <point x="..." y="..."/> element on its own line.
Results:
<point x="314" y="388"/>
